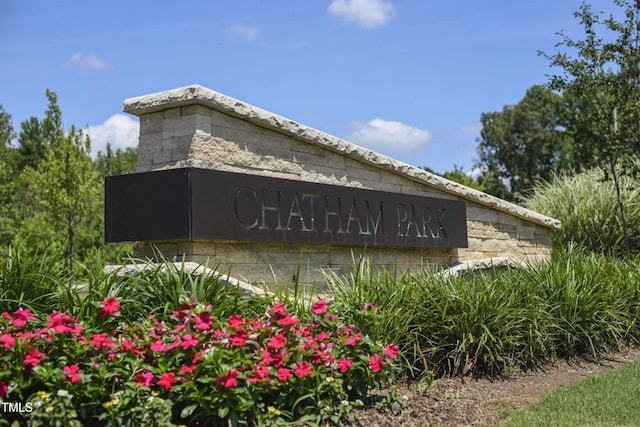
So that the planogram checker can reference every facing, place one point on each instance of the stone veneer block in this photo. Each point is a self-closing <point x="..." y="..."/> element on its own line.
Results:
<point x="197" y="127"/>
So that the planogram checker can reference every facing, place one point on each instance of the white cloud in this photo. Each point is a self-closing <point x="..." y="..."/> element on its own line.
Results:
<point x="388" y="137"/>
<point x="243" y="32"/>
<point x="366" y="13"/>
<point x="88" y="62"/>
<point x="118" y="130"/>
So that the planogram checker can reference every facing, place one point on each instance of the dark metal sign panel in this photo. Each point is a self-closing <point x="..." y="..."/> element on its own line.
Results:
<point x="203" y="204"/>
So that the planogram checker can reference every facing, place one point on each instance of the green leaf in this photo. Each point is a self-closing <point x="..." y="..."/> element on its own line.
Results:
<point x="187" y="411"/>
<point x="223" y="411"/>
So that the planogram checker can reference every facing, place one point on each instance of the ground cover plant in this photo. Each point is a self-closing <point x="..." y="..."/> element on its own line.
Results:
<point x="191" y="368"/>
<point x="153" y="357"/>
<point x="579" y="304"/>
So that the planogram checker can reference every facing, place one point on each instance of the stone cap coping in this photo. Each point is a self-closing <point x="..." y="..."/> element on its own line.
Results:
<point x="199" y="95"/>
<point x="192" y="268"/>
<point x="482" y="264"/>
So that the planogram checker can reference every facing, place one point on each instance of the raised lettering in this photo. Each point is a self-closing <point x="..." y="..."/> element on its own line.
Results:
<point x="427" y="217"/>
<point x="265" y="209"/>
<point x="377" y="222"/>
<point x="295" y="211"/>
<point x="354" y="217"/>
<point x="329" y="213"/>
<point x="402" y="216"/>
<point x="440" y="213"/>
<point x="412" y="222"/>
<point x="312" y="211"/>
<point x="241" y="212"/>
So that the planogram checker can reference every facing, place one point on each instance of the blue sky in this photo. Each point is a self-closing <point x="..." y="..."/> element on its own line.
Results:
<point x="406" y="78"/>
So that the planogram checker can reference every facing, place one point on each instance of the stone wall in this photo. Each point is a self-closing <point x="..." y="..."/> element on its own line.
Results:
<point x="196" y="127"/>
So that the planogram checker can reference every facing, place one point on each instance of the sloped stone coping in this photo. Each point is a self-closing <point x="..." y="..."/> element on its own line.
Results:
<point x="482" y="264"/>
<point x="199" y="95"/>
<point x="192" y="268"/>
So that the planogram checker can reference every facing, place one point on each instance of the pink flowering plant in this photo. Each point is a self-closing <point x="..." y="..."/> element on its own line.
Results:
<point x="192" y="368"/>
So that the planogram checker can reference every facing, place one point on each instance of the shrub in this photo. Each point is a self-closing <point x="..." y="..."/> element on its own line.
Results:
<point x="580" y="303"/>
<point x="587" y="206"/>
<point x="190" y="368"/>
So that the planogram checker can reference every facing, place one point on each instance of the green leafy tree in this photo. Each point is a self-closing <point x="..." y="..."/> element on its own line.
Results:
<point x="605" y="76"/>
<point x="117" y="162"/>
<point x="36" y="135"/>
<point x="524" y="142"/>
<point x="65" y="188"/>
<point x="7" y="181"/>
<point x="458" y="175"/>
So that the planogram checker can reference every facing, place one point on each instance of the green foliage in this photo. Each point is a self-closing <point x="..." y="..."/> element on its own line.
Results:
<point x="65" y="189"/>
<point x="579" y="304"/>
<point x="8" y="214"/>
<point x="30" y="281"/>
<point x="605" y="76"/>
<point x="587" y="207"/>
<point x="605" y="399"/>
<point x="117" y="162"/>
<point x="190" y="367"/>
<point x="51" y="194"/>
<point x="525" y="142"/>
<point x="459" y="176"/>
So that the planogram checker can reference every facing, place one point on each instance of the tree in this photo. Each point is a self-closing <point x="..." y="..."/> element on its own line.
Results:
<point x="605" y="76"/>
<point x="458" y="175"/>
<point x="525" y="142"/>
<point x="119" y="162"/>
<point x="65" y="188"/>
<point x="35" y="135"/>
<point x="7" y="175"/>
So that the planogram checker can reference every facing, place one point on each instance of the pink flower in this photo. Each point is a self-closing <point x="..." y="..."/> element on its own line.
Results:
<point x="344" y="364"/>
<point x="185" y="369"/>
<point x="284" y="374"/>
<point x="229" y="380"/>
<point x="239" y="339"/>
<point x="303" y="369"/>
<point x="279" y="309"/>
<point x="368" y="307"/>
<point x="266" y="358"/>
<point x="22" y="317"/>
<point x="109" y="307"/>
<point x="261" y="372"/>
<point x="8" y="341"/>
<point x="236" y="321"/>
<point x="61" y="323"/>
<point x="4" y="390"/>
<point x="376" y="362"/>
<point x="277" y="341"/>
<point x="34" y="357"/>
<point x="158" y="346"/>
<point x="167" y="380"/>
<point x="71" y="373"/>
<point x="391" y="351"/>
<point x="130" y="346"/>
<point x="353" y="339"/>
<point x="189" y="341"/>
<point x="101" y="341"/>
<point x="144" y="379"/>
<point x="288" y="321"/>
<point x="322" y="336"/>
<point x="203" y="321"/>
<point x="197" y="357"/>
<point x="319" y="307"/>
